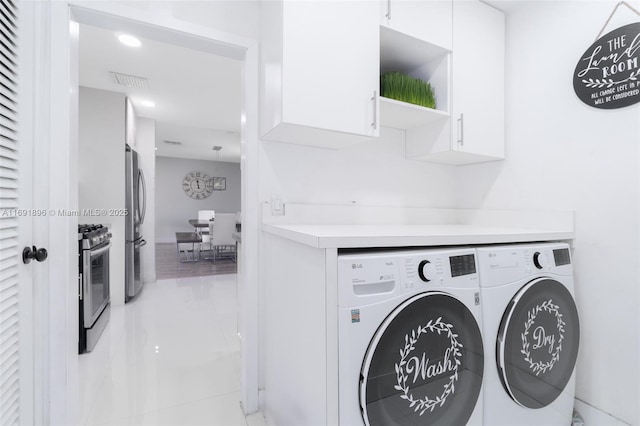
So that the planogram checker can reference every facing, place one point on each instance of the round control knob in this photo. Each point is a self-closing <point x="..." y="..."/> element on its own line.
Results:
<point x="538" y="260"/>
<point x="425" y="271"/>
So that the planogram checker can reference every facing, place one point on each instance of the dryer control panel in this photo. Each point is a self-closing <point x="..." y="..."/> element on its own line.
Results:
<point x="429" y="269"/>
<point x="506" y="264"/>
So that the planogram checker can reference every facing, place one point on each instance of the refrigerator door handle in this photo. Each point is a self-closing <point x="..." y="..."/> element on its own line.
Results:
<point x="144" y="196"/>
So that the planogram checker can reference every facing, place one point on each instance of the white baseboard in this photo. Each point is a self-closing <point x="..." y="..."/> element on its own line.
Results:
<point x="594" y="417"/>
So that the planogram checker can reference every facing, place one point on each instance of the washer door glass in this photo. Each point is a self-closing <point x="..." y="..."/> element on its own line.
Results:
<point x="537" y="343"/>
<point x="424" y="364"/>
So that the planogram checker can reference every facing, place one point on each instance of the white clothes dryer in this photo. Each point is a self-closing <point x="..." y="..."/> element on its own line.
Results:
<point x="410" y="343"/>
<point x="531" y="333"/>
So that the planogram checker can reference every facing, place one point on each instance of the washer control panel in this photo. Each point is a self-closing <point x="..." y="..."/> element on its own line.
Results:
<point x="426" y="269"/>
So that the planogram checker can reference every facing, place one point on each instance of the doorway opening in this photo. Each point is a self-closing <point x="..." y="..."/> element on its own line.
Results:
<point x="184" y="123"/>
<point x="246" y="394"/>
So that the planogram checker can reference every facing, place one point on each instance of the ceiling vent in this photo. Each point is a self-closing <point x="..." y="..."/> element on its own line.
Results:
<point x="129" y="80"/>
<point x="173" y="142"/>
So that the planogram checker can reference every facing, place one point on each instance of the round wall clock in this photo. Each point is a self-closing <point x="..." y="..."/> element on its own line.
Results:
<point x="197" y="185"/>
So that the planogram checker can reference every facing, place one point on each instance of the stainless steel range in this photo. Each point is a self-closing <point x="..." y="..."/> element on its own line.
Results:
<point x="94" y="243"/>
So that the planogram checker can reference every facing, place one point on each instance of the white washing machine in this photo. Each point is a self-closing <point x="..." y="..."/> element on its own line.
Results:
<point x="410" y="343"/>
<point x="531" y="333"/>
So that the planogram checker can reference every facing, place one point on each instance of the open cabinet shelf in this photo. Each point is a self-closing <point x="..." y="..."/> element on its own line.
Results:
<point x="419" y="59"/>
<point x="402" y="115"/>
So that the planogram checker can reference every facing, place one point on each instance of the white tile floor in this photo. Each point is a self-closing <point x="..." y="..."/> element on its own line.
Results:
<point x="170" y="357"/>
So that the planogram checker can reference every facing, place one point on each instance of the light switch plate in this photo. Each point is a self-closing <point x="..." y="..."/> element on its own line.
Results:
<point x="277" y="206"/>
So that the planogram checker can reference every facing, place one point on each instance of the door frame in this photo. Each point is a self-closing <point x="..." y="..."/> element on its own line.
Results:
<point x="61" y="363"/>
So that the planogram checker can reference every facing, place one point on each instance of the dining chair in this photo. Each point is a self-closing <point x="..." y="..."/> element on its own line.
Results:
<point x="206" y="214"/>
<point x="221" y="238"/>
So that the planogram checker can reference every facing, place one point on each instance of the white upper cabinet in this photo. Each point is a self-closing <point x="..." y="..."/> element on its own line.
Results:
<point x="428" y="20"/>
<point x="320" y="72"/>
<point x="478" y="81"/>
<point x="474" y="132"/>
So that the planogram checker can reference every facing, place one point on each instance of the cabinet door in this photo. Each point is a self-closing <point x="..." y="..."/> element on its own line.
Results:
<point x="428" y="20"/>
<point x="478" y="80"/>
<point x="330" y="63"/>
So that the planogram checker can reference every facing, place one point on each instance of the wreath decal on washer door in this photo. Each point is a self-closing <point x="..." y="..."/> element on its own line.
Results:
<point x="541" y="338"/>
<point x="416" y="365"/>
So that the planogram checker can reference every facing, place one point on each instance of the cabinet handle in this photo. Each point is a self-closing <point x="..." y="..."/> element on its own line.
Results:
<point x="374" y="124"/>
<point x="461" y="130"/>
<point x="388" y="15"/>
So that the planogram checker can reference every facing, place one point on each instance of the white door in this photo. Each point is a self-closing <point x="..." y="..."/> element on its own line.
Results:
<point x="23" y="217"/>
<point x="16" y="224"/>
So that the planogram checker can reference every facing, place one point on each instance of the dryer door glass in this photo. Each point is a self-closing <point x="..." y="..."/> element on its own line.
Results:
<point x="537" y="343"/>
<point x="424" y="364"/>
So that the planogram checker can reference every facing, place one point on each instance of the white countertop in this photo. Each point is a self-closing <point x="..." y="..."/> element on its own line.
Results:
<point x="355" y="236"/>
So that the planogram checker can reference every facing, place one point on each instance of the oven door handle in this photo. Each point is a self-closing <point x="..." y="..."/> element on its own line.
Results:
<point x="100" y="251"/>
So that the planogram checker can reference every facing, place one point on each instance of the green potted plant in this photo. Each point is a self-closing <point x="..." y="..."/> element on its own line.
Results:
<point x="402" y="87"/>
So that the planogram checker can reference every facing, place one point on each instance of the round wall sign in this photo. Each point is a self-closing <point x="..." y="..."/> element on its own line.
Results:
<point x="197" y="185"/>
<point x="608" y="73"/>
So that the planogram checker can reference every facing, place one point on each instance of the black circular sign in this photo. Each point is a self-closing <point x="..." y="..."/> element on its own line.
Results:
<point x="424" y="364"/>
<point x="608" y="73"/>
<point x="538" y="343"/>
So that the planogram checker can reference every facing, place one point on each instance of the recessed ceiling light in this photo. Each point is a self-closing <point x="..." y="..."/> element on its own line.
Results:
<point x="129" y="40"/>
<point x="146" y="103"/>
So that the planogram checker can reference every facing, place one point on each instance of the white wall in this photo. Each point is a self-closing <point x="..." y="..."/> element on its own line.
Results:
<point x="101" y="175"/>
<point x="562" y="154"/>
<point x="174" y="207"/>
<point x="130" y="123"/>
<point x="145" y="144"/>
<point x="370" y="173"/>
<point x="232" y="16"/>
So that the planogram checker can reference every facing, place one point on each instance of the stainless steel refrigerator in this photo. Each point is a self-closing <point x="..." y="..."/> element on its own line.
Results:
<point x="136" y="205"/>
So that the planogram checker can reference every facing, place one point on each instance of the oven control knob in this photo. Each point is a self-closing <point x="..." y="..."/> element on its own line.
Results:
<point x="39" y="254"/>
<point x="425" y="271"/>
<point x="539" y="260"/>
